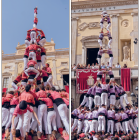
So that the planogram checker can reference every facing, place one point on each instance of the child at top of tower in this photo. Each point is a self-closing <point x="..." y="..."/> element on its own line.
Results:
<point x="35" y="12"/>
<point x="105" y="17"/>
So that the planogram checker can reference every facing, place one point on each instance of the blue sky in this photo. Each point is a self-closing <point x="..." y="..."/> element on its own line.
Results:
<point x="18" y="16"/>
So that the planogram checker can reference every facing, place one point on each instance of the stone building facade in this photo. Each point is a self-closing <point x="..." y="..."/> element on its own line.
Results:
<point x="85" y="30"/>
<point x="12" y="64"/>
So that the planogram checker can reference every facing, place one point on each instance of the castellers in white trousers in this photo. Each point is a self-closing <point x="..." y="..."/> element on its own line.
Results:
<point x="26" y="122"/>
<point x="25" y="62"/>
<point x="136" y="123"/>
<point x="117" y="104"/>
<point x="58" y="119"/>
<point x="99" y="61"/>
<point x="14" y="86"/>
<point x="101" y="122"/>
<point x="87" y="127"/>
<point x="42" y="117"/>
<point x="42" y="41"/>
<point x="27" y="43"/>
<point x="112" y="99"/>
<point x="84" y="124"/>
<point x="104" y="98"/>
<point x="108" y="26"/>
<point x="51" y="120"/>
<point x="10" y="119"/>
<point x="126" y="127"/>
<point x="100" y="42"/>
<point x="132" y="125"/>
<point x="110" y="61"/>
<point x="118" y="127"/>
<point x="97" y="100"/>
<point x="74" y="124"/>
<point x="110" y="125"/>
<point x="43" y="60"/>
<point x="34" y="121"/>
<point x="33" y="37"/>
<point x="32" y="55"/>
<point x="49" y="81"/>
<point x="80" y="124"/>
<point x="109" y="43"/>
<point x="91" y="100"/>
<point x="85" y="99"/>
<point x="94" y="126"/>
<point x="5" y="116"/>
<point x="62" y="110"/>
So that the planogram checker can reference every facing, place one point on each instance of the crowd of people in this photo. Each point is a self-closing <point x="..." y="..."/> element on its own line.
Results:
<point x="34" y="109"/>
<point x="96" y="66"/>
<point x="102" y="115"/>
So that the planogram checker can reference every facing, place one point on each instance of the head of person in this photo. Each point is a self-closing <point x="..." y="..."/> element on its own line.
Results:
<point x="47" y="65"/>
<point x="11" y="92"/>
<point x="3" y="94"/>
<point x="23" y="105"/>
<point x="103" y="105"/>
<point x="92" y="64"/>
<point x="42" y="87"/>
<point x="30" y="58"/>
<point x="95" y="108"/>
<point x="122" y="111"/>
<point x="28" y="88"/>
<point x="17" y="93"/>
<point x="99" y="68"/>
<point x="53" y="89"/>
<point x="117" y="63"/>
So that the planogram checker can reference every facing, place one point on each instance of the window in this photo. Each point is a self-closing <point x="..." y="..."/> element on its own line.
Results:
<point x="5" y="82"/>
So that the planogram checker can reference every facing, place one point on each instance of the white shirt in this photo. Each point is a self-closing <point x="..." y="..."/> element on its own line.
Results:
<point x="74" y="67"/>
<point x="118" y="66"/>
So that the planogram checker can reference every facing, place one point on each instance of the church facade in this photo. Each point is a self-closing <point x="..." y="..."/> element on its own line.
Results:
<point x="58" y="59"/>
<point x="85" y="30"/>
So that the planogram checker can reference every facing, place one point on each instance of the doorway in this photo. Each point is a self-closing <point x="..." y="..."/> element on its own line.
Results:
<point x="92" y="55"/>
<point x="66" y="79"/>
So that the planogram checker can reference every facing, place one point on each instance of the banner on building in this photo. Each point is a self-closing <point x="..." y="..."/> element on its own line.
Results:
<point x="126" y="78"/>
<point x="85" y="78"/>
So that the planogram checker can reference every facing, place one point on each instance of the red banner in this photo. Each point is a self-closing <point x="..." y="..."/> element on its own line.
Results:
<point x="125" y="78"/>
<point x="86" y="78"/>
<point x="67" y="89"/>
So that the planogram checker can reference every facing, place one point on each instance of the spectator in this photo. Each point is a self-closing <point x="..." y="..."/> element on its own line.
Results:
<point x="78" y="66"/>
<point x="96" y="66"/>
<point x="81" y="67"/>
<point x="88" y="67"/>
<point x="107" y="66"/>
<point x="113" y="66"/>
<point x="103" y="66"/>
<point x="85" y="66"/>
<point x="118" y="66"/>
<point x="92" y="66"/>
<point x="74" y="67"/>
<point x="125" y="66"/>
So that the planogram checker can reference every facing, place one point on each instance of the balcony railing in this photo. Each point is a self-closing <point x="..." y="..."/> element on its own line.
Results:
<point x="116" y="72"/>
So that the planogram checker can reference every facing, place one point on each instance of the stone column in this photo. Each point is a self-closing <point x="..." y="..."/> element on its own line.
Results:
<point x="83" y="55"/>
<point x="54" y="72"/>
<point x="135" y="34"/>
<point x="115" y="37"/>
<point x="16" y="69"/>
<point x="73" y="40"/>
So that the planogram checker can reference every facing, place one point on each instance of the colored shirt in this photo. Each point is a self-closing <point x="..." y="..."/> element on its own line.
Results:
<point x="81" y="116"/>
<point x="90" y="115"/>
<point x="89" y="90"/>
<point x="10" y="96"/>
<point x="26" y="52"/>
<point x="35" y="20"/>
<point x="42" y="34"/>
<point x="95" y="114"/>
<point x="102" y="110"/>
<point x="24" y="76"/>
<point x="44" y="74"/>
<point x="93" y="91"/>
<point x="111" y="114"/>
<point x="32" y="47"/>
<point x="38" y="55"/>
<point x="31" y="62"/>
<point x="109" y="52"/>
<point x="101" y="36"/>
<point x="4" y="99"/>
<point x="110" y="72"/>
<point x="20" y="112"/>
<point x="117" y="116"/>
<point x="105" y="86"/>
<point x="48" y="69"/>
<point x="48" y="102"/>
<point x="41" y="94"/>
<point x="66" y="101"/>
<point x="124" y="116"/>
<point x="18" y="78"/>
<point x="109" y="35"/>
<point x="55" y="95"/>
<point x="98" y="89"/>
<point x="26" y="96"/>
<point x="100" y="52"/>
<point x="99" y="73"/>
<point x="112" y="90"/>
<point x="75" y="112"/>
<point x="14" y="101"/>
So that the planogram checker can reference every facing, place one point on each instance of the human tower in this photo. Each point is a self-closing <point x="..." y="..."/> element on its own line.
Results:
<point x="102" y="109"/>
